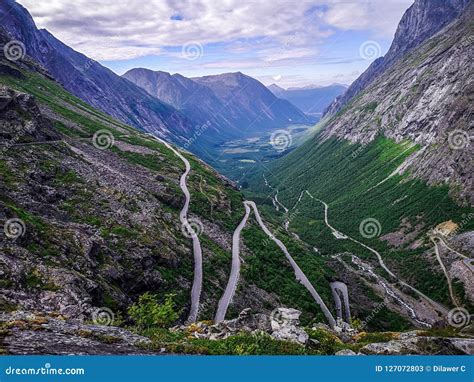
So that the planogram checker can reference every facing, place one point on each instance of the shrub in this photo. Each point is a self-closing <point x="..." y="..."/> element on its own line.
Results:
<point x="149" y="313"/>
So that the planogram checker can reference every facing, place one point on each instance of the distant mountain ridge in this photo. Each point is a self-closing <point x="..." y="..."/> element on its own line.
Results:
<point x="92" y="82"/>
<point x="421" y="21"/>
<point x="234" y="103"/>
<point x="310" y="99"/>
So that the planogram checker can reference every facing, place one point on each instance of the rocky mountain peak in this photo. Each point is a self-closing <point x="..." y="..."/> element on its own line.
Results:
<point x="421" y="21"/>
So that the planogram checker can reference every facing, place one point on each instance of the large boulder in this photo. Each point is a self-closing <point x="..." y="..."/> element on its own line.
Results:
<point x="245" y="322"/>
<point x="285" y="325"/>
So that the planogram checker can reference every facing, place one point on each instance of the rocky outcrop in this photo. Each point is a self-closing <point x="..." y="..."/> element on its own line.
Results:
<point x="21" y="120"/>
<point x="23" y="333"/>
<point x="411" y="343"/>
<point x="345" y="352"/>
<point x="282" y="324"/>
<point x="285" y="326"/>
<point x="421" y="21"/>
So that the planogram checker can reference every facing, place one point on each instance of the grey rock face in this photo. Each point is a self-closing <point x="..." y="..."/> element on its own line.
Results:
<point x="285" y="323"/>
<point x="15" y="128"/>
<point x="25" y="333"/>
<point x="421" y="21"/>
<point x="346" y="352"/>
<point x="422" y="345"/>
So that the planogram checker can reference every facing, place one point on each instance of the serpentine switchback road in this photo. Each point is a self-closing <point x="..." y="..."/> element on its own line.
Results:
<point x="235" y="271"/>
<point x="300" y="276"/>
<point x="231" y="285"/>
<point x="433" y="303"/>
<point x="183" y="217"/>
<point x="340" y="289"/>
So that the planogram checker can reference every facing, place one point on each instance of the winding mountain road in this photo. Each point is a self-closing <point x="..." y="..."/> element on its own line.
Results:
<point x="235" y="270"/>
<point x="452" y="295"/>
<point x="340" y="289"/>
<point x="440" y="238"/>
<point x="300" y="276"/>
<point x="435" y="304"/>
<point x="234" y="276"/>
<point x="183" y="217"/>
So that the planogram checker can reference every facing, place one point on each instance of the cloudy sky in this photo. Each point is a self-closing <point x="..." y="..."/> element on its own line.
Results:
<point x="287" y="42"/>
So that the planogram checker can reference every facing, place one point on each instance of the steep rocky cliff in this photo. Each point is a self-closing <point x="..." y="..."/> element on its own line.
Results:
<point x="425" y="97"/>
<point x="386" y="171"/>
<point x="421" y="21"/>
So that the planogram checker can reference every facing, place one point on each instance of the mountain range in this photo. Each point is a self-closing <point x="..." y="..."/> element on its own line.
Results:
<point x="311" y="100"/>
<point x="173" y="107"/>
<point x="91" y="81"/>
<point x="234" y="105"/>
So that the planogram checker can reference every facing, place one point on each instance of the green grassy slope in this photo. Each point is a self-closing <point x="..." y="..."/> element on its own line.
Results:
<point x="346" y="177"/>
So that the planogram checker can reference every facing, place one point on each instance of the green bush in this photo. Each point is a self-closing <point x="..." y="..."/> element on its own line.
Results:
<point x="149" y="313"/>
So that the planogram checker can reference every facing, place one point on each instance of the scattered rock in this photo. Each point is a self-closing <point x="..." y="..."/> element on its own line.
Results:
<point x="422" y="345"/>
<point x="345" y="352"/>
<point x="28" y="333"/>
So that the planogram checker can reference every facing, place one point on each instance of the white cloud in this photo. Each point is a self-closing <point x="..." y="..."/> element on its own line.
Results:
<point x="124" y="29"/>
<point x="380" y="17"/>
